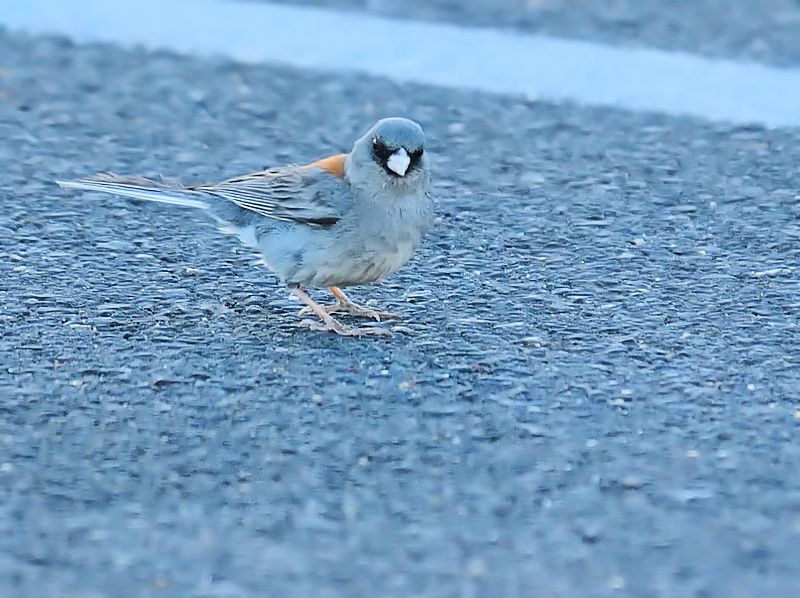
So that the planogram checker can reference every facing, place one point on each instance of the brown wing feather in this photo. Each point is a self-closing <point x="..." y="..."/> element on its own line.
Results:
<point x="294" y="193"/>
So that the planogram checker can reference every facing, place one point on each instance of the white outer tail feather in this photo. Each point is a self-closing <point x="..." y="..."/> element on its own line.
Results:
<point x="156" y="194"/>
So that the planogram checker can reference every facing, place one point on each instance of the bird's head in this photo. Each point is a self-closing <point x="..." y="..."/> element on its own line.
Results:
<point x="393" y="152"/>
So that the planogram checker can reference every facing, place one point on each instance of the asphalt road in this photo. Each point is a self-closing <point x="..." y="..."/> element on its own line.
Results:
<point x="594" y="393"/>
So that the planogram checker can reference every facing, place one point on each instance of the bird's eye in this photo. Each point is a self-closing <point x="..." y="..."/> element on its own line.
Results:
<point x="379" y="150"/>
<point x="416" y="155"/>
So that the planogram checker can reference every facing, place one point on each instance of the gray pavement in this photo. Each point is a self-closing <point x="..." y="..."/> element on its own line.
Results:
<point x="595" y="391"/>
<point x="764" y="31"/>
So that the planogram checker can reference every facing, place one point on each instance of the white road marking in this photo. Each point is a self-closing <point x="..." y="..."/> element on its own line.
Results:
<point x="494" y="61"/>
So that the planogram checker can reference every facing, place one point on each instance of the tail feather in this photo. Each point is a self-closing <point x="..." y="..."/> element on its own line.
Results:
<point x="163" y="191"/>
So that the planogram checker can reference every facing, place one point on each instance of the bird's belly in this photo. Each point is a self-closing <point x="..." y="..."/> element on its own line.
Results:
<point x="357" y="252"/>
<point x="361" y="265"/>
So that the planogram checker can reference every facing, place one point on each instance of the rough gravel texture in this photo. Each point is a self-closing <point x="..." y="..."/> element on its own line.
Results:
<point x="595" y="391"/>
<point x="764" y="31"/>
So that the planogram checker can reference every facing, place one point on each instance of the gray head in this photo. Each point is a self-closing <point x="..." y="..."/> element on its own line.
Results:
<point x="395" y="148"/>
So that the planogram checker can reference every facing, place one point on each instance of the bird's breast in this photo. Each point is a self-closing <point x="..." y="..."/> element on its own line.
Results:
<point x="376" y="246"/>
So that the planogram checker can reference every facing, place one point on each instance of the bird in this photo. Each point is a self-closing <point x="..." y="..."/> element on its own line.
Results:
<point x="345" y="220"/>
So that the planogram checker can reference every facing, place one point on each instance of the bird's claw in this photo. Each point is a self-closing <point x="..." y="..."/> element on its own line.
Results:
<point x="356" y="310"/>
<point x="328" y="308"/>
<point x="343" y="330"/>
<point x="374" y="314"/>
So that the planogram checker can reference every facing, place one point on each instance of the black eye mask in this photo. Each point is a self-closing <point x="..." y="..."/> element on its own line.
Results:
<point x="381" y="153"/>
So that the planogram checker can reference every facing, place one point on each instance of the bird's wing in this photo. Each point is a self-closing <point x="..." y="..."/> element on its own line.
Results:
<point x="315" y="194"/>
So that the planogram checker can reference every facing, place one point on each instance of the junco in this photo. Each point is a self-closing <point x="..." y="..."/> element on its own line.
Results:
<point x="344" y="220"/>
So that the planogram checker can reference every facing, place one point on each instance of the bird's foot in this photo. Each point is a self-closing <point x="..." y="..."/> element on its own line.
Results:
<point x="360" y="311"/>
<point x="328" y="308"/>
<point x="356" y="310"/>
<point x="328" y="324"/>
<point x="339" y="328"/>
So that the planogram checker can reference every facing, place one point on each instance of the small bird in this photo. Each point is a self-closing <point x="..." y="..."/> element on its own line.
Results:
<point x="345" y="220"/>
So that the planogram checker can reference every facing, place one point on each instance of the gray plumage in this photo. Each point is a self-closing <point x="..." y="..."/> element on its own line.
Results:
<point x="346" y="220"/>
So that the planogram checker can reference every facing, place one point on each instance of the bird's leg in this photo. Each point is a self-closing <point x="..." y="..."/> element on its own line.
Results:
<point x="343" y="303"/>
<point x="328" y="308"/>
<point x="328" y="323"/>
<point x="359" y="310"/>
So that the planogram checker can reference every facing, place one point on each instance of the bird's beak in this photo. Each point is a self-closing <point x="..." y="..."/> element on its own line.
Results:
<point x="398" y="162"/>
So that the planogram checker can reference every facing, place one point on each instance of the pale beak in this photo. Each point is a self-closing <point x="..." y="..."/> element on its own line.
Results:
<point x="398" y="162"/>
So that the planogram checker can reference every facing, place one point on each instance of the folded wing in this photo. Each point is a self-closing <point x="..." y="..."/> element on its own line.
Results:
<point x="314" y="196"/>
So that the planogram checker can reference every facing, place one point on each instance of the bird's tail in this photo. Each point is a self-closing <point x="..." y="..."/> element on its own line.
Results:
<point x="164" y="191"/>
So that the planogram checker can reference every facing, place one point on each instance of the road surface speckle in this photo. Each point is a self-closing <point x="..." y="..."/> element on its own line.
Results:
<point x="594" y="390"/>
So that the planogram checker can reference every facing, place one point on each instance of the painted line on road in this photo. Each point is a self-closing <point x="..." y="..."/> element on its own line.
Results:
<point x="495" y="61"/>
